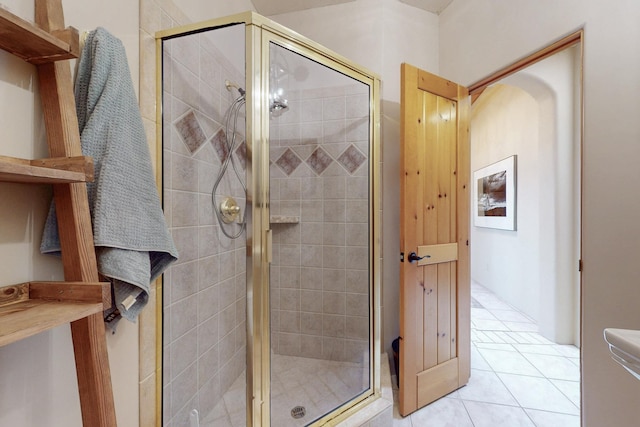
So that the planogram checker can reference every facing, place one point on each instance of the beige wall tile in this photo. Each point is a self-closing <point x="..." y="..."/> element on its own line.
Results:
<point x="184" y="280"/>
<point x="290" y="321"/>
<point x="311" y="324"/>
<point x="333" y="325"/>
<point x="208" y="303"/>
<point x="334" y="303"/>
<point x="333" y="257"/>
<point x="208" y="334"/>
<point x="311" y="278"/>
<point x="183" y="317"/>
<point x="333" y="280"/>
<point x="311" y="301"/>
<point x="183" y="351"/>
<point x="358" y="304"/>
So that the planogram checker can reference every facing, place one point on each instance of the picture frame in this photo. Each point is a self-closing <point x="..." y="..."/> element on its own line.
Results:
<point x="494" y="195"/>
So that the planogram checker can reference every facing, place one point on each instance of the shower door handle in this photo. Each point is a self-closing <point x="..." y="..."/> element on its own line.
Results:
<point x="269" y="245"/>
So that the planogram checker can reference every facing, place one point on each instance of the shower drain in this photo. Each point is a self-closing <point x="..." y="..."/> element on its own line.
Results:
<point x="298" y="412"/>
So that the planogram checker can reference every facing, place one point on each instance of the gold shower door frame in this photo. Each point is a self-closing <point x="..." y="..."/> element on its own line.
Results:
<point x="260" y="33"/>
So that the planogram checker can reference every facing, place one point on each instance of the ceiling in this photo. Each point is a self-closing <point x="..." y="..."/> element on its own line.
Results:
<point x="276" y="7"/>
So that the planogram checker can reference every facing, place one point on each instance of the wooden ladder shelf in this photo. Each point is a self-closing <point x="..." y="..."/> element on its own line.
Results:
<point x="29" y="308"/>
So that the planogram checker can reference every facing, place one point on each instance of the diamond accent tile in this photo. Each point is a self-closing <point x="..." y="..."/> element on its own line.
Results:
<point x="190" y="131"/>
<point x="351" y="159"/>
<point x="219" y="142"/>
<point x="289" y="161"/>
<point x="319" y="160"/>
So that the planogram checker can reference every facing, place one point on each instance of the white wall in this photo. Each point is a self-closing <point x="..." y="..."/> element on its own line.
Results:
<point x="505" y="122"/>
<point x="201" y="10"/>
<point x="472" y="46"/>
<point x="379" y="35"/>
<point x="38" y="385"/>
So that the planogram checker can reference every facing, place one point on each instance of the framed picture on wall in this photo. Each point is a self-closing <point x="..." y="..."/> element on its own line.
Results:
<point x="495" y="195"/>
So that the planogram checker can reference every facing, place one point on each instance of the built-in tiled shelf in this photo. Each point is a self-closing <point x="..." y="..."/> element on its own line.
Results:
<point x="284" y="219"/>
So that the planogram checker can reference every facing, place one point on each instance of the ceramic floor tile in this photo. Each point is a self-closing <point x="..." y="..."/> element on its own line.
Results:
<point x="531" y="337"/>
<point x="489" y="325"/>
<point x="568" y="350"/>
<point x="485" y="386"/>
<point x="492" y="303"/>
<point x="525" y="337"/>
<point x="521" y="326"/>
<point x="442" y="413"/>
<point x="492" y="415"/>
<point x="538" y="393"/>
<point x="235" y="399"/>
<point x="494" y="336"/>
<point x="496" y="346"/>
<point x="537" y="349"/>
<point x="482" y="313"/>
<point x="239" y="419"/>
<point x="218" y="422"/>
<point x="217" y="417"/>
<point x="571" y="389"/>
<point x="509" y="362"/>
<point x="477" y="362"/>
<point x="554" y="367"/>
<point x="507" y="337"/>
<point x="550" y="419"/>
<point x="510" y="316"/>
<point x="479" y="336"/>
<point x="399" y="420"/>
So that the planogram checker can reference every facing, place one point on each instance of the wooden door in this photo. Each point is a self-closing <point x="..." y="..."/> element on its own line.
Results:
<point x="435" y="290"/>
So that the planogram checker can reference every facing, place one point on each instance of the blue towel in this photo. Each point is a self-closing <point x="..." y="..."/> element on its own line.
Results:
<point x="133" y="244"/>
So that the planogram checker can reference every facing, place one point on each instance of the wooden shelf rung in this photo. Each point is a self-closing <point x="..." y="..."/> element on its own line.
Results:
<point x="34" y="45"/>
<point x="59" y="170"/>
<point x="29" y="308"/>
<point x="26" y="318"/>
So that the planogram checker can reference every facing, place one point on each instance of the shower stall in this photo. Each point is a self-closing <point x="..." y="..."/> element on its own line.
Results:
<point x="270" y="147"/>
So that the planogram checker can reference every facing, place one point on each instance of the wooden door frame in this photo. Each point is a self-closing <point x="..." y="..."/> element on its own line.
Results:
<point x="476" y="89"/>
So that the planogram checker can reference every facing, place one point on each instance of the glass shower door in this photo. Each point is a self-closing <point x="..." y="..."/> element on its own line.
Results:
<point x="320" y="276"/>
<point x="205" y="193"/>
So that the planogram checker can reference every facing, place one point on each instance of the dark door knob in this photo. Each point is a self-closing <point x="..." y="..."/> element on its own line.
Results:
<point x="414" y="257"/>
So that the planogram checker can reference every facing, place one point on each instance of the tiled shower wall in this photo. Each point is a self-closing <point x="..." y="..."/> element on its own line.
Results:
<point x="320" y="271"/>
<point x="205" y="292"/>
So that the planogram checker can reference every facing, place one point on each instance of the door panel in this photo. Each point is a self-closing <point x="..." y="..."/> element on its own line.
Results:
<point x="435" y="290"/>
<point x="435" y="254"/>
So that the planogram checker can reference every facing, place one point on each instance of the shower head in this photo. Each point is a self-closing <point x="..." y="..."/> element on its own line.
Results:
<point x="278" y="106"/>
<point x="278" y="103"/>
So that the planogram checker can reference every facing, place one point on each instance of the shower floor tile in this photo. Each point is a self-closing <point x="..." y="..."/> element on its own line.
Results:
<point x="318" y="385"/>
